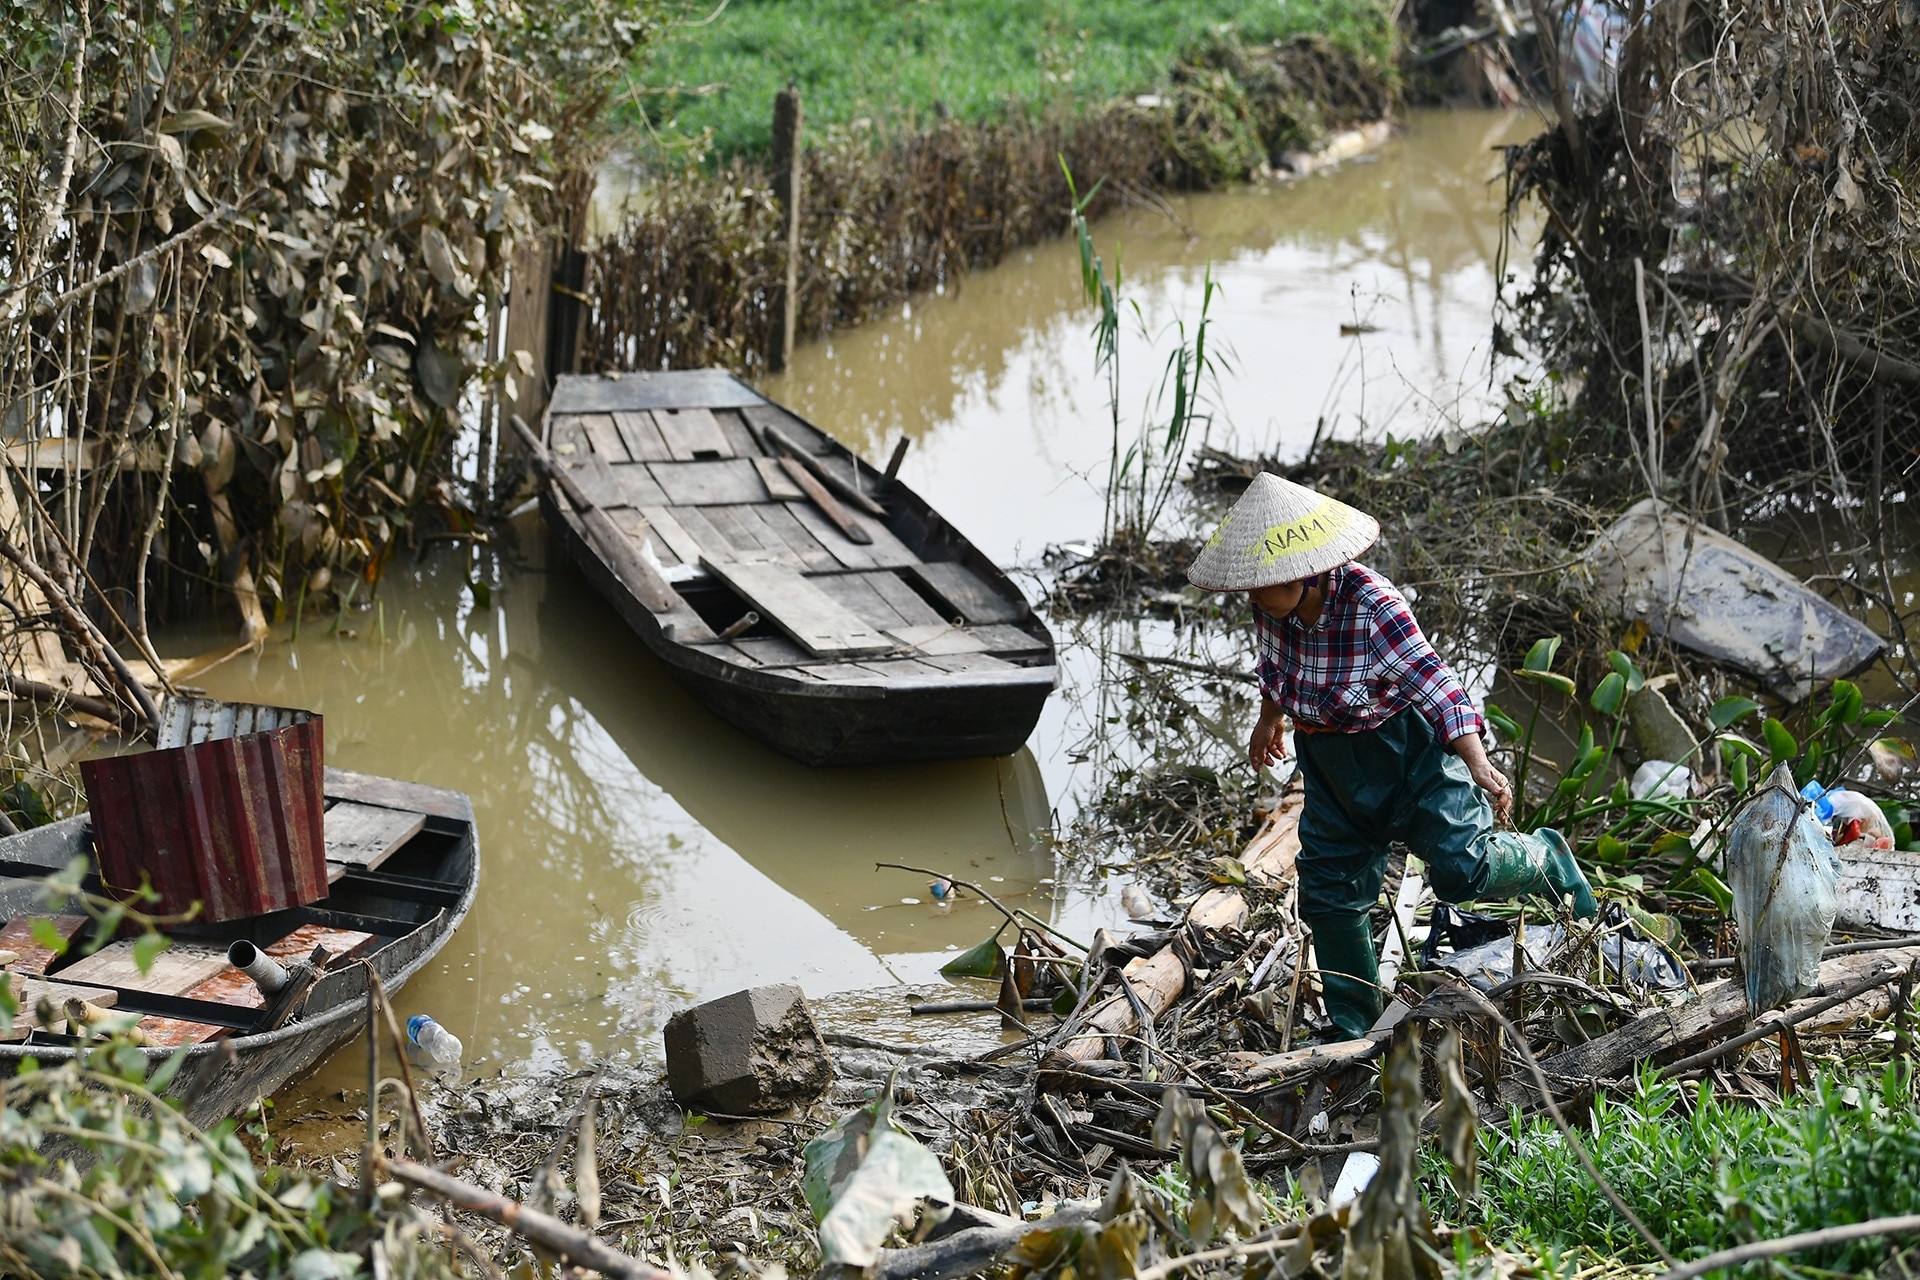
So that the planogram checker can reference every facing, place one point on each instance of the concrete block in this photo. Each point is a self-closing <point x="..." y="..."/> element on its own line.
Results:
<point x="751" y="1053"/>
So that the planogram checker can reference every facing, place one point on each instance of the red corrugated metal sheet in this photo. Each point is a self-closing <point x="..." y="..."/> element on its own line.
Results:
<point x="235" y="824"/>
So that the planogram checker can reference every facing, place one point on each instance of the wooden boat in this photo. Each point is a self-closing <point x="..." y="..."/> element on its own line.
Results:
<point x="403" y="866"/>
<point x="812" y="601"/>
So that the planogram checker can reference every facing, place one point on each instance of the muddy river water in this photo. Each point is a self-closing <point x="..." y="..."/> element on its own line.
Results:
<point x="637" y="854"/>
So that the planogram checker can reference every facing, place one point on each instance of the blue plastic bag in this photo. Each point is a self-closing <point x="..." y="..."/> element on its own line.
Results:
<point x="1785" y="879"/>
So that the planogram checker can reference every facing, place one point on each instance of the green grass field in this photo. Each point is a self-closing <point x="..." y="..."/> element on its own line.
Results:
<point x="898" y="63"/>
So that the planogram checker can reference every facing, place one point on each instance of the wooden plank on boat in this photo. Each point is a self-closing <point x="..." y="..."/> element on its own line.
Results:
<point x="799" y="608"/>
<point x="1005" y="639"/>
<point x="760" y="417"/>
<point x="365" y="835"/>
<point x="938" y="639"/>
<point x="604" y="437"/>
<point x="367" y="788"/>
<point x="771" y="651"/>
<point x="30" y="991"/>
<point x="565" y="438"/>
<point x="692" y="435"/>
<point x="884" y="552"/>
<point x="636" y="486"/>
<point x="594" y="479"/>
<point x="641" y="437"/>
<point x="677" y="389"/>
<point x="641" y="532"/>
<point x="175" y="971"/>
<point x="735" y="429"/>
<point x="799" y="541"/>
<point x="904" y="669"/>
<point x="839" y="673"/>
<point x="913" y="610"/>
<point x="18" y="938"/>
<point x="233" y="987"/>
<point x="743" y="528"/>
<point x="780" y="485"/>
<point x="684" y="546"/>
<point x="855" y="594"/>
<point x="967" y="663"/>
<point x="694" y="484"/>
<point x="709" y="537"/>
<point x="966" y="596"/>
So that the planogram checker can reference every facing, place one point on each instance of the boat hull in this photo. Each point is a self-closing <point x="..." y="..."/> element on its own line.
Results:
<point x="884" y="721"/>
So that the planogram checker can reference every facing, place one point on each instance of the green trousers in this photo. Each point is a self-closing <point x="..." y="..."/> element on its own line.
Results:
<point x="1366" y="792"/>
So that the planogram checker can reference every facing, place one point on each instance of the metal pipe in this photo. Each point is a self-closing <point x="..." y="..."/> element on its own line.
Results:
<point x="267" y="973"/>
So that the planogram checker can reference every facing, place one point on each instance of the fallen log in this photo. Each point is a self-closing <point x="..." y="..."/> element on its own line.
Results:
<point x="1718" y="1013"/>
<point x="971" y="1251"/>
<point x="542" y="1229"/>
<point x="1159" y="980"/>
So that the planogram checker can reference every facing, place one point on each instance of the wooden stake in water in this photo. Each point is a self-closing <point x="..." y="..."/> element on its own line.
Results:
<point x="786" y="189"/>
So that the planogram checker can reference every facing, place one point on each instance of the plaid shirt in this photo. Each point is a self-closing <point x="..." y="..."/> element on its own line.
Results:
<point x="1363" y="662"/>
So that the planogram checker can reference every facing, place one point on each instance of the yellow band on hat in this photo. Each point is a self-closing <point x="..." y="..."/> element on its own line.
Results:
<point x="1314" y="530"/>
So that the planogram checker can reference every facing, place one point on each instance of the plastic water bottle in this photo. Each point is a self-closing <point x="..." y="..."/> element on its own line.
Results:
<point x="440" y="1046"/>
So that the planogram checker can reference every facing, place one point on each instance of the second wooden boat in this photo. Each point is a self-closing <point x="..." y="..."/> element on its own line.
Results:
<point x="816" y="603"/>
<point x="403" y="866"/>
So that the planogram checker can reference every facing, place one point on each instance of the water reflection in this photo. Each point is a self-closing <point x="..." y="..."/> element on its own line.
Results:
<point x="638" y="853"/>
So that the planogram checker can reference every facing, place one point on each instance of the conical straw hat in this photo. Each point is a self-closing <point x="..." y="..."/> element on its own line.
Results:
<point x="1280" y="531"/>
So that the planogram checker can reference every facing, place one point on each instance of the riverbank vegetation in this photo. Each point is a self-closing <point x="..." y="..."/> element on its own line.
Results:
<point x="902" y="69"/>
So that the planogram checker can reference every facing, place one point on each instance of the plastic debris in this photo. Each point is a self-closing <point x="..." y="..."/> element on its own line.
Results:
<point x="1138" y="905"/>
<point x="436" y="1044"/>
<point x="1661" y="780"/>
<point x="1785" y="878"/>
<point x="1629" y="958"/>
<point x="1851" y="818"/>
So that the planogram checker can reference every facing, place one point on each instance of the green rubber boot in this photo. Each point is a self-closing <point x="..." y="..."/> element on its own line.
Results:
<point x="1349" y="971"/>
<point x="1541" y="864"/>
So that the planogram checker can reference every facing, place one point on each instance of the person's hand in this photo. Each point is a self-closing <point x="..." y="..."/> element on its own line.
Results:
<point x="1473" y="753"/>
<point x="1268" y="744"/>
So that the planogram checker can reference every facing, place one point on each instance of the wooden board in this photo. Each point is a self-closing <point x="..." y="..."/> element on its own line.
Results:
<point x="884" y="552"/>
<point x="801" y="610"/>
<point x="435" y="802"/>
<point x="31" y="991"/>
<point x="839" y="673"/>
<point x="176" y="971"/>
<point x="683" y="544"/>
<point x="1003" y="639"/>
<point x="364" y="835"/>
<point x="913" y="610"/>
<point x="604" y="437"/>
<point x="636" y="486"/>
<point x="735" y="429"/>
<point x="694" y="484"/>
<point x="904" y="669"/>
<point x="855" y="594"/>
<point x="938" y="639"/>
<point x="967" y="663"/>
<point x="17" y="937"/>
<point x="642" y="438"/>
<point x="771" y="651"/>
<point x="780" y="485"/>
<point x="595" y="480"/>
<point x="678" y="389"/>
<point x="966" y="595"/>
<point x="641" y="533"/>
<point x="776" y="517"/>
<point x="710" y="538"/>
<point x="692" y="434"/>
<point x="772" y="415"/>
<point x="743" y="527"/>
<point x="565" y="438"/>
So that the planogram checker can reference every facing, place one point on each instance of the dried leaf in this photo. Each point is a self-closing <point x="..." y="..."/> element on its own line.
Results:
<point x="1459" y="1124"/>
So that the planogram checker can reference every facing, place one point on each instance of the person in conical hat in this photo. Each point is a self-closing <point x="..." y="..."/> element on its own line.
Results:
<point x="1390" y="745"/>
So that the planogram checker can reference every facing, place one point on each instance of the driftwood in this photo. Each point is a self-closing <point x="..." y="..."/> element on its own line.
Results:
<point x="542" y="1229"/>
<point x="972" y="1250"/>
<point x="1159" y="980"/>
<point x="1719" y="1012"/>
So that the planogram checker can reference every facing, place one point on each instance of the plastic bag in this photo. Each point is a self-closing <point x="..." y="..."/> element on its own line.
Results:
<point x="1852" y="818"/>
<point x="1661" y="780"/>
<point x="1785" y="878"/>
<point x="1629" y="957"/>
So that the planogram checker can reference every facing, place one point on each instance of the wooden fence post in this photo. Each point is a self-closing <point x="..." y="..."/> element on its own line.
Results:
<point x="786" y="190"/>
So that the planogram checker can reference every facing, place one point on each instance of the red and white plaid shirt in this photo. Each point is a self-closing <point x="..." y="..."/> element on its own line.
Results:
<point x="1363" y="662"/>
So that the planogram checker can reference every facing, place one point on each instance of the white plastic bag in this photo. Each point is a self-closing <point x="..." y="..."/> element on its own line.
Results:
<point x="1781" y="867"/>
<point x="1661" y="780"/>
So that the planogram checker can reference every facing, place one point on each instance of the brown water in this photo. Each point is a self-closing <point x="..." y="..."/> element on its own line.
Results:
<point x="637" y="854"/>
